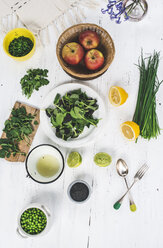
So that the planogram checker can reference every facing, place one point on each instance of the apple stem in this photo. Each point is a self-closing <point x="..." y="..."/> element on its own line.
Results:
<point x="72" y="50"/>
<point x="92" y="55"/>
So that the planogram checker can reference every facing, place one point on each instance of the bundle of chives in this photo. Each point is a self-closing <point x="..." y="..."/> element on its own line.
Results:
<point x="145" y="113"/>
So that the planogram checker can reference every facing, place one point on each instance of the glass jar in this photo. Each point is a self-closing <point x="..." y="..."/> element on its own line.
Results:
<point x="135" y="9"/>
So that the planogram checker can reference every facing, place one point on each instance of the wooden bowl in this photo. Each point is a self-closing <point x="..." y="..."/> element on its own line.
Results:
<point x="106" y="46"/>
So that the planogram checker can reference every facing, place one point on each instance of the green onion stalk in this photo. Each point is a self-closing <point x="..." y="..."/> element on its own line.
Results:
<point x="145" y="113"/>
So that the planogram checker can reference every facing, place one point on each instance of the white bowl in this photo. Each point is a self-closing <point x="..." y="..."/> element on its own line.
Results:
<point x="89" y="134"/>
<point x="79" y="181"/>
<point x="47" y="213"/>
<point x="33" y="157"/>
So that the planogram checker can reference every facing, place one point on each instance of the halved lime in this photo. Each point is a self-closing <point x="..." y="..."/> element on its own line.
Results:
<point x="74" y="159"/>
<point x="102" y="159"/>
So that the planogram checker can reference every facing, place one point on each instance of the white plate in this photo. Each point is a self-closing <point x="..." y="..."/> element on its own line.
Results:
<point x="89" y="134"/>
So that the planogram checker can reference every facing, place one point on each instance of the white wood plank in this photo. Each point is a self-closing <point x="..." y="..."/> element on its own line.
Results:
<point x="94" y="224"/>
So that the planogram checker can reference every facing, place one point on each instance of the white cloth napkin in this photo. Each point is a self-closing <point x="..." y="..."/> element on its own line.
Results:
<point x="38" y="14"/>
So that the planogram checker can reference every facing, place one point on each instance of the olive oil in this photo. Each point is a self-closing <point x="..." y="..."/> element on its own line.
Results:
<point x="48" y="166"/>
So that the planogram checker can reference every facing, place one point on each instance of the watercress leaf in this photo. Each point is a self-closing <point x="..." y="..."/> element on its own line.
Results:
<point x="27" y="130"/>
<point x="58" y="134"/>
<point x="54" y="123"/>
<point x="18" y="127"/>
<point x="67" y="118"/>
<point x="7" y="122"/>
<point x="2" y="153"/>
<point x="14" y="154"/>
<point x="74" y="96"/>
<point x="78" y="92"/>
<point x="33" y="80"/>
<point x="73" y="114"/>
<point x="57" y="98"/>
<point x="6" y="145"/>
<point x="44" y="81"/>
<point x="59" y="118"/>
<point x="37" y="77"/>
<point x="8" y="154"/>
<point x="13" y="134"/>
<point x="3" y="141"/>
<point x="37" y="85"/>
<point x="78" y="112"/>
<point x="55" y="111"/>
<point x="36" y="123"/>
<point x="49" y="112"/>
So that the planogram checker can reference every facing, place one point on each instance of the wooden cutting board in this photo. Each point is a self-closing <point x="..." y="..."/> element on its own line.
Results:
<point x="22" y="144"/>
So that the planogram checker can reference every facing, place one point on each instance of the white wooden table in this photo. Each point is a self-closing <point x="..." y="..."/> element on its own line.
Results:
<point x="94" y="224"/>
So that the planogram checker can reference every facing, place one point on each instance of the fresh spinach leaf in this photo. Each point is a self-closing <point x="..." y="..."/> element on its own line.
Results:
<point x="59" y="118"/>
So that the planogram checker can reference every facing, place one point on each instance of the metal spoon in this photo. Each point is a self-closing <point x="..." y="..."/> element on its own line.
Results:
<point x="138" y="176"/>
<point x="122" y="170"/>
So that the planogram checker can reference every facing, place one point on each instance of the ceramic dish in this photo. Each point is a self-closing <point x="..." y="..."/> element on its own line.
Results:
<point x="69" y="189"/>
<point x="89" y="134"/>
<point x="47" y="213"/>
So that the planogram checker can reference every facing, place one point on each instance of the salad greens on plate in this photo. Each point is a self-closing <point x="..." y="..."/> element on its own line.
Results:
<point x="72" y="113"/>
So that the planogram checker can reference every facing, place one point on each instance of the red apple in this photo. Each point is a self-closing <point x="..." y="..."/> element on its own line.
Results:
<point x="94" y="59"/>
<point x="89" y="39"/>
<point x="72" y="53"/>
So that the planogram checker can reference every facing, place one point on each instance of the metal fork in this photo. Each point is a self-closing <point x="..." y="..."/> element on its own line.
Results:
<point x="139" y="174"/>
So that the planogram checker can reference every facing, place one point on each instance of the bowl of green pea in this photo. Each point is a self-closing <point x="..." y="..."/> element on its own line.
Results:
<point x="33" y="221"/>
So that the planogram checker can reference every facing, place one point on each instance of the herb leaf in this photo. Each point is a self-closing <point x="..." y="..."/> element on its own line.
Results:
<point x="20" y="46"/>
<point x="36" y="123"/>
<point x="2" y="153"/>
<point x="33" y="80"/>
<point x="17" y="128"/>
<point x="57" y="98"/>
<point x="59" y="118"/>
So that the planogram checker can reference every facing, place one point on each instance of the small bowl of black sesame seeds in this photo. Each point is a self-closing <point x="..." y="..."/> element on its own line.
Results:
<point x="79" y="191"/>
<point x="19" y="44"/>
<point x="33" y="221"/>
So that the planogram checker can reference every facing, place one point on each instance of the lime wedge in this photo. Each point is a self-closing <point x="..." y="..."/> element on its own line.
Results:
<point x="102" y="159"/>
<point x="74" y="159"/>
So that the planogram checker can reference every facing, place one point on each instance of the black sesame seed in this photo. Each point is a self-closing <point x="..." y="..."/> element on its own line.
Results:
<point x="79" y="192"/>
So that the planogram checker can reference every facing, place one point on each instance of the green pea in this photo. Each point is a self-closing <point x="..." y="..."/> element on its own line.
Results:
<point x="33" y="221"/>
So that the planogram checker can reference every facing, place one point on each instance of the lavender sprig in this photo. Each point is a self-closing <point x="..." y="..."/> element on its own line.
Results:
<point x="115" y="9"/>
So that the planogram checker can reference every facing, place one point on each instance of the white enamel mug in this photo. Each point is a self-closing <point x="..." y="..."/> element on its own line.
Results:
<point x="35" y="154"/>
